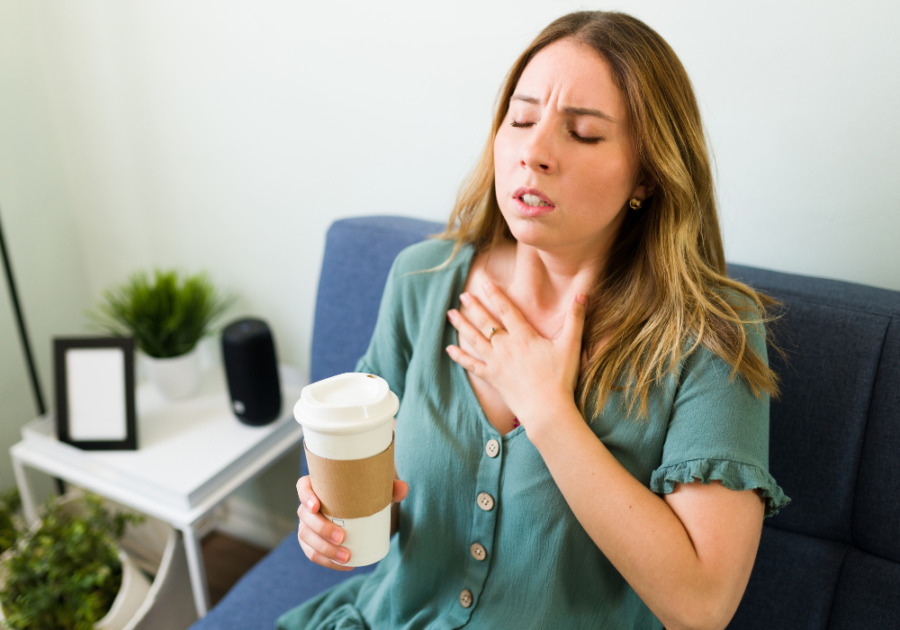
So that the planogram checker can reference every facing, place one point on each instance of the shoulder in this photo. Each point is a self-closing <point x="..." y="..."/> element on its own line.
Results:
<point x="421" y="272"/>
<point x="425" y="256"/>
<point x="739" y="335"/>
<point x="751" y="318"/>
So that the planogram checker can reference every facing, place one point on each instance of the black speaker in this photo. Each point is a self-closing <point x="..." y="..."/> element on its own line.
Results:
<point x="251" y="368"/>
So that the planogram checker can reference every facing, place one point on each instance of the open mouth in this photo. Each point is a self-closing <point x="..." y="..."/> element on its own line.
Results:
<point x="532" y="198"/>
<point x="534" y="201"/>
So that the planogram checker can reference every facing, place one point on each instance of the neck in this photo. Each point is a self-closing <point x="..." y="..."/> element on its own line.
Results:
<point x="543" y="284"/>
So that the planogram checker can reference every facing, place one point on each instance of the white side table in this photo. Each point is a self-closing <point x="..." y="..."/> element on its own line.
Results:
<point x="192" y="454"/>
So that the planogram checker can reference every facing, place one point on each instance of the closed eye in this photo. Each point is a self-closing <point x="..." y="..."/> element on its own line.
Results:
<point x="584" y="140"/>
<point x="581" y="139"/>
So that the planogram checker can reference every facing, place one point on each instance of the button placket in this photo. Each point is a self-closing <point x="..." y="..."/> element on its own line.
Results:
<point x="484" y="522"/>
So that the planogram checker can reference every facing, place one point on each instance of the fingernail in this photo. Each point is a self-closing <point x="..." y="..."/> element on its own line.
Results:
<point x="343" y="556"/>
<point x="464" y="297"/>
<point x="451" y="314"/>
<point x="581" y="298"/>
<point x="310" y="503"/>
<point x="337" y="536"/>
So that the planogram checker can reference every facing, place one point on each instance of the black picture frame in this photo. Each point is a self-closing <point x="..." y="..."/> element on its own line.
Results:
<point x="83" y="418"/>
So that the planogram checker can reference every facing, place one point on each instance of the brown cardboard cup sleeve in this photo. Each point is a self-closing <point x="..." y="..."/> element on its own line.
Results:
<point x="352" y="488"/>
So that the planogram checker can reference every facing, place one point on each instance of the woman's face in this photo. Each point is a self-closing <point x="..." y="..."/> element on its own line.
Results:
<point x="564" y="163"/>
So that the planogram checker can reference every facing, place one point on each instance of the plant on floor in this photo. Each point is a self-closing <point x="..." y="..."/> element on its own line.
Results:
<point x="166" y="315"/>
<point x="66" y="573"/>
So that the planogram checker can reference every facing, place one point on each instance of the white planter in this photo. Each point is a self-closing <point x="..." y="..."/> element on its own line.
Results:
<point x="125" y="606"/>
<point x="177" y="377"/>
<point x="132" y="594"/>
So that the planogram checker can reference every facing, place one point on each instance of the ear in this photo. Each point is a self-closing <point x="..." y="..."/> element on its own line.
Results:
<point x="645" y="187"/>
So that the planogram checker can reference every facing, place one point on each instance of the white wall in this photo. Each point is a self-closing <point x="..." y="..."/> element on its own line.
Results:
<point x="226" y="136"/>
<point x="39" y="226"/>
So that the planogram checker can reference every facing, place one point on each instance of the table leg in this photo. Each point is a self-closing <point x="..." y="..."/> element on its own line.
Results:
<point x="25" y="490"/>
<point x="197" y="570"/>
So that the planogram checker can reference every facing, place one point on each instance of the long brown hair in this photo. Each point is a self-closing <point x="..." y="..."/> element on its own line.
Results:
<point x="664" y="290"/>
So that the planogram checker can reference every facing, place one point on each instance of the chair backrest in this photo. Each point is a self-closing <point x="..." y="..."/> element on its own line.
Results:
<point x="831" y="559"/>
<point x="358" y="256"/>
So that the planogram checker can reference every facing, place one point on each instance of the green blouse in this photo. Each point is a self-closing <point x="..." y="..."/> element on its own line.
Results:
<point x="469" y="486"/>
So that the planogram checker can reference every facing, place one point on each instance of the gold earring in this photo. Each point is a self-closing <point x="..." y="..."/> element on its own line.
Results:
<point x="635" y="203"/>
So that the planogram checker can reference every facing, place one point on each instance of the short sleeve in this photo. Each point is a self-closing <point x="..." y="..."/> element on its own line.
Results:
<point x="390" y="348"/>
<point x="719" y="430"/>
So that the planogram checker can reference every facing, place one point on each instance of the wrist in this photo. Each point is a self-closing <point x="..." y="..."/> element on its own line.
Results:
<point x="550" y="418"/>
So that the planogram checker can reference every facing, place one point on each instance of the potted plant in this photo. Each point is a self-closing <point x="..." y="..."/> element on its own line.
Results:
<point x="67" y="573"/>
<point x="10" y="521"/>
<point x="167" y="316"/>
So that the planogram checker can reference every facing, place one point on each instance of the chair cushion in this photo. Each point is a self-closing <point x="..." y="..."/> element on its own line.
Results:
<point x="876" y="517"/>
<point x="783" y="593"/>
<point x="867" y="596"/>
<point x="278" y="582"/>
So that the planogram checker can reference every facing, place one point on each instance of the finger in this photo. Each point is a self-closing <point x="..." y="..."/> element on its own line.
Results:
<point x="476" y="312"/>
<point x="469" y="332"/>
<point x="510" y="316"/>
<point x="308" y="498"/>
<point x="321" y="546"/>
<point x="322" y="526"/>
<point x="317" y="557"/>
<point x="470" y="363"/>
<point x="401" y="489"/>
<point x="573" y="329"/>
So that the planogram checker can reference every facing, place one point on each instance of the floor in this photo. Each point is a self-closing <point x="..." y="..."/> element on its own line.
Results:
<point x="226" y="560"/>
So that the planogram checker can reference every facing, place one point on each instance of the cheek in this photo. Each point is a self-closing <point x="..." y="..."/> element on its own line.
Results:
<point x="614" y="174"/>
<point x="503" y="157"/>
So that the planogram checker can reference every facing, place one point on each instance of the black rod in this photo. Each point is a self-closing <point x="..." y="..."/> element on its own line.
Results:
<point x="26" y="347"/>
<point x="23" y="333"/>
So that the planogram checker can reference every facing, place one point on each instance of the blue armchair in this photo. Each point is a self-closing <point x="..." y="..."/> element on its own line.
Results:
<point x="831" y="560"/>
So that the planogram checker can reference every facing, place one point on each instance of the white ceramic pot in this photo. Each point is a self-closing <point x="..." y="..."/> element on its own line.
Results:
<point x="177" y="377"/>
<point x="132" y="594"/>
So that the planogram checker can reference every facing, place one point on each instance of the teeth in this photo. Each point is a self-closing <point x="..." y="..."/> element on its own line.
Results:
<point x="534" y="201"/>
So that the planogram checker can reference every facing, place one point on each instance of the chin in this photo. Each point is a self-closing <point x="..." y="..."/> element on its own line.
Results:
<point x="532" y="234"/>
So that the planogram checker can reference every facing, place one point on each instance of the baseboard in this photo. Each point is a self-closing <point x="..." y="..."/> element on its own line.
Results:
<point x="245" y="521"/>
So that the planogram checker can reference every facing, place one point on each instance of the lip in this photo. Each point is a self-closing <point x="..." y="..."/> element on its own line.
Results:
<point x="529" y="211"/>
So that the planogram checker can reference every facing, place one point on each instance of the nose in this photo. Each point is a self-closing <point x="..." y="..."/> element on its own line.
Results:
<point x="538" y="151"/>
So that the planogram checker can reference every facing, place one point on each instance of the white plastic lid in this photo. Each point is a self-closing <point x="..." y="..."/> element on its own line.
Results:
<point x="346" y="403"/>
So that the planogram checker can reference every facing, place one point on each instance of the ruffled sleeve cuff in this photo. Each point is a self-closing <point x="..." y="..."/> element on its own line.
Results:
<point x="733" y="475"/>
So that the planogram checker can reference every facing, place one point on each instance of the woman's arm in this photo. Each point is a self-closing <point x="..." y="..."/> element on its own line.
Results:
<point x="687" y="555"/>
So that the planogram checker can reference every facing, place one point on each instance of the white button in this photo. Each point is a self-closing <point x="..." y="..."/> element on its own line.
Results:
<point x="465" y="598"/>
<point x="492" y="448"/>
<point x="478" y="552"/>
<point x="485" y="502"/>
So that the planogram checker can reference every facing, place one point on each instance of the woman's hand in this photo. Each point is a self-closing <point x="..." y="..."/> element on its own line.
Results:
<point x="535" y="376"/>
<point x="319" y="538"/>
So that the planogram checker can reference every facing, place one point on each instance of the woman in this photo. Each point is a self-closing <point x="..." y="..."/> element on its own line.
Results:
<point x="584" y="394"/>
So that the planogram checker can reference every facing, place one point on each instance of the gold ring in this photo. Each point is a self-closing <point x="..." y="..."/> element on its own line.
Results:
<point x="492" y="332"/>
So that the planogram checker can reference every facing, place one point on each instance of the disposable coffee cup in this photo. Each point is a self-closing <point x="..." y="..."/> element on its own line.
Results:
<point x="348" y="434"/>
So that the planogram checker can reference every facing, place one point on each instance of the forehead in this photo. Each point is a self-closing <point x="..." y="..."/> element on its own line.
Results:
<point x="568" y="73"/>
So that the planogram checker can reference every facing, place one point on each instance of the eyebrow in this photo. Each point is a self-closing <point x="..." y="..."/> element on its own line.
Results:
<point x="575" y="111"/>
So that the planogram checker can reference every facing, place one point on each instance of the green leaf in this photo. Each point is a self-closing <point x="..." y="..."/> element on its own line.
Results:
<point x="67" y="573"/>
<point x="167" y="316"/>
